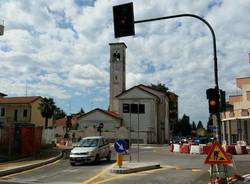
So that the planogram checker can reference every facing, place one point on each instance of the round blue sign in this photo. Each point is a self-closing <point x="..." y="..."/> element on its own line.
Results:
<point x="120" y="146"/>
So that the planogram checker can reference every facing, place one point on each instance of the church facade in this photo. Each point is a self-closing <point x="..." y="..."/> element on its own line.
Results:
<point x="144" y="111"/>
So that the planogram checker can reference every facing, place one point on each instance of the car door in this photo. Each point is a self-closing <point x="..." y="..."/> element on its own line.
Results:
<point x="101" y="148"/>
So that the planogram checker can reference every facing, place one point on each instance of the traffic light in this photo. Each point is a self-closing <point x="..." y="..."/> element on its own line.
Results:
<point x="123" y="20"/>
<point x="213" y="99"/>
<point x="222" y="101"/>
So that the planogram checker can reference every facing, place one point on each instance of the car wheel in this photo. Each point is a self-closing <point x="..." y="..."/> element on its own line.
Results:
<point x="72" y="163"/>
<point x="108" y="156"/>
<point x="97" y="158"/>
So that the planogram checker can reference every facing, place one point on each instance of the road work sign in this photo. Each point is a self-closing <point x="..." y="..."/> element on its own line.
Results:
<point x="217" y="155"/>
<point x="120" y="146"/>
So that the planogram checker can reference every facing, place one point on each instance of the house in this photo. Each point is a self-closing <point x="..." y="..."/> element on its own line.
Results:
<point x="21" y="110"/>
<point x="111" y="120"/>
<point x="146" y="110"/>
<point x="236" y="119"/>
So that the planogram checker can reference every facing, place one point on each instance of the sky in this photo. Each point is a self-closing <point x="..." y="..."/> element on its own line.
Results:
<point x="60" y="49"/>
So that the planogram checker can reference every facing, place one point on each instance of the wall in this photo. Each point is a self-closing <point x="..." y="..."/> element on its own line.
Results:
<point x="36" y="116"/>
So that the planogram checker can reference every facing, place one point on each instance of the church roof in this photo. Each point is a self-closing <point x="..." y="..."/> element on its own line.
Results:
<point x="109" y="113"/>
<point x="138" y="86"/>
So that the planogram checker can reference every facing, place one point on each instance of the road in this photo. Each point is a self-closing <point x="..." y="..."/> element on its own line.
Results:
<point x="176" y="168"/>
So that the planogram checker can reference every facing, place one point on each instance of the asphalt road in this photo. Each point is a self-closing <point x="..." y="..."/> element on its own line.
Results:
<point x="176" y="168"/>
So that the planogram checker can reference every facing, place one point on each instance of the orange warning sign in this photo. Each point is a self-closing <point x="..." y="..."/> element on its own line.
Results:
<point x="217" y="155"/>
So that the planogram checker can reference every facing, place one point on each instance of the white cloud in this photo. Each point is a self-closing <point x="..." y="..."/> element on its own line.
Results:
<point x="61" y="49"/>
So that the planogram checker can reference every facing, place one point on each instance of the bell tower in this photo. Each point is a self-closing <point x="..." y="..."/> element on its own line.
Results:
<point x="117" y="81"/>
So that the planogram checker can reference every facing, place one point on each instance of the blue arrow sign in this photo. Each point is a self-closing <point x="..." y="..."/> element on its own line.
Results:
<point x="120" y="146"/>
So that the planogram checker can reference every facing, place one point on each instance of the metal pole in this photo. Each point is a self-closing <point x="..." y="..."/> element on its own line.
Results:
<point x="138" y="135"/>
<point x="215" y="56"/>
<point x="130" y="133"/>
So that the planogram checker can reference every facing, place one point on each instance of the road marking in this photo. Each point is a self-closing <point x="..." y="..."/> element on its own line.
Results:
<point x="112" y="178"/>
<point x="29" y="170"/>
<point x="98" y="174"/>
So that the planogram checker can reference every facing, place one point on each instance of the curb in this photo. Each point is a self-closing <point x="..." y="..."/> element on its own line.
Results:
<point x="31" y="166"/>
<point x="133" y="170"/>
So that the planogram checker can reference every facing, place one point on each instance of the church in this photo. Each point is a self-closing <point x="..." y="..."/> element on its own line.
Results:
<point x="141" y="109"/>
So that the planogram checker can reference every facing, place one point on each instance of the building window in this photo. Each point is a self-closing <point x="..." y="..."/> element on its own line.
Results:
<point x="134" y="108"/>
<point x="141" y="108"/>
<point x="25" y="112"/>
<point x="125" y="108"/>
<point x="15" y="115"/>
<point x="2" y="111"/>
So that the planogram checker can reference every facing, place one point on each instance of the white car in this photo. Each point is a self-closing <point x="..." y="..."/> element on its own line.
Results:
<point x="90" y="149"/>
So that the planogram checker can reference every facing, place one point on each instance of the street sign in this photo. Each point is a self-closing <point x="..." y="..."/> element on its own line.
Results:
<point x="120" y="146"/>
<point x="217" y="155"/>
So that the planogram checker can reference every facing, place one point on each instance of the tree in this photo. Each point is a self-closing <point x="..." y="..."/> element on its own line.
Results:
<point x="160" y="87"/>
<point x="193" y="127"/>
<point x="199" y="125"/>
<point x="58" y="113"/>
<point x="185" y="125"/>
<point x="47" y="107"/>
<point x="82" y="111"/>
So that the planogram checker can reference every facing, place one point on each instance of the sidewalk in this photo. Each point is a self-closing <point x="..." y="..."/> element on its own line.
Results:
<point x="44" y="157"/>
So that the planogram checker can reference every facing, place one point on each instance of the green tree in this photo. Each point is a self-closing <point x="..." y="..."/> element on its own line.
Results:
<point x="47" y="107"/>
<point x="186" y="127"/>
<point x="199" y="125"/>
<point x="82" y="111"/>
<point x="58" y="113"/>
<point x="160" y="87"/>
<point x="193" y="127"/>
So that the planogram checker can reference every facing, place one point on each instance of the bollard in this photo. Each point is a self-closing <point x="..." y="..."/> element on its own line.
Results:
<point x="119" y="158"/>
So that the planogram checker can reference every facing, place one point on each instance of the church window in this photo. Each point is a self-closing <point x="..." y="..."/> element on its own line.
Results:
<point x="141" y="108"/>
<point x="125" y="108"/>
<point x="134" y="108"/>
<point x="116" y="56"/>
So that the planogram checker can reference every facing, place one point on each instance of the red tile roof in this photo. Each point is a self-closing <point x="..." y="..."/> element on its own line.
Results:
<point x="19" y="100"/>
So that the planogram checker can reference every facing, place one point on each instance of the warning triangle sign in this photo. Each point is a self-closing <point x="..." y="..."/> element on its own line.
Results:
<point x="217" y="155"/>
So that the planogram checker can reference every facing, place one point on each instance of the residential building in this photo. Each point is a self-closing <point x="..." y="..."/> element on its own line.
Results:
<point x="236" y="119"/>
<point x="21" y="110"/>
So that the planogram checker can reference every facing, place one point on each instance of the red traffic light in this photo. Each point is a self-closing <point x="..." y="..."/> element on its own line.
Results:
<point x="212" y="102"/>
<point x="123" y="20"/>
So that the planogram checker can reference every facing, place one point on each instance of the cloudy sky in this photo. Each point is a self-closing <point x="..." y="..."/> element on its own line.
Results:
<point x="60" y="49"/>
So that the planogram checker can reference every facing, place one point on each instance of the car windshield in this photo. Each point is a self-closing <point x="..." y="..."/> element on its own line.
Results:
<point x="88" y="143"/>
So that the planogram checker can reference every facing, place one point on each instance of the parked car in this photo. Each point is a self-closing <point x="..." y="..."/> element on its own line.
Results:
<point x="90" y="149"/>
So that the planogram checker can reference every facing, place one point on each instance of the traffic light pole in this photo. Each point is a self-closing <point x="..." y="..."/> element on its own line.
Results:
<point x="215" y="58"/>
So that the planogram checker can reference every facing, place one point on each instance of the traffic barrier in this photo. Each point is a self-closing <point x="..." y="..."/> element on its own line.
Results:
<point x="231" y="149"/>
<point x="176" y="148"/>
<point x="238" y="149"/>
<point x="201" y="148"/>
<point x="171" y="147"/>
<point x="195" y="149"/>
<point x="185" y="148"/>
<point x="244" y="150"/>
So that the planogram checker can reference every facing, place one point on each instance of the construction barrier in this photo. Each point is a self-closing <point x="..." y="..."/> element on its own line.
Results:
<point x="201" y="148"/>
<point x="176" y="148"/>
<point x="195" y="149"/>
<point x="185" y="148"/>
<point x="171" y="147"/>
<point x="244" y="150"/>
<point x="238" y="149"/>
<point x="231" y="149"/>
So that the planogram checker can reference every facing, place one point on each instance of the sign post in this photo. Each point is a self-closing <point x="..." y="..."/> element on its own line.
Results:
<point x="120" y="147"/>
<point x="217" y="157"/>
